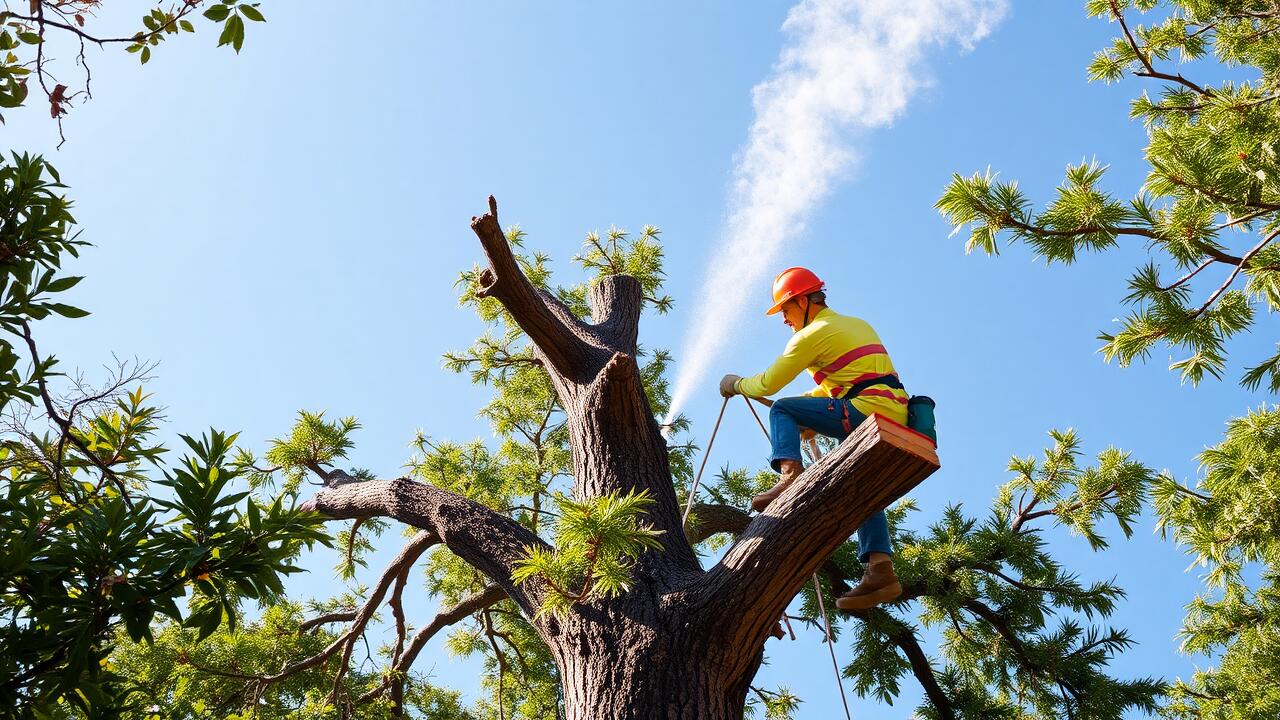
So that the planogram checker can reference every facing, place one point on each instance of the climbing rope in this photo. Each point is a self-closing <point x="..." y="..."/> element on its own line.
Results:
<point x="693" y="491"/>
<point x="822" y="607"/>
<point x="817" y="585"/>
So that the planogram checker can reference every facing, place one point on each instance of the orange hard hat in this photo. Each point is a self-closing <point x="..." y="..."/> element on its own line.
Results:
<point x="793" y="283"/>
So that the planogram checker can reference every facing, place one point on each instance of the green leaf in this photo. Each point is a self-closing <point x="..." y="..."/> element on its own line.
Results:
<point x="65" y="283"/>
<point x="217" y="13"/>
<point x="68" y="311"/>
<point x="252" y="12"/>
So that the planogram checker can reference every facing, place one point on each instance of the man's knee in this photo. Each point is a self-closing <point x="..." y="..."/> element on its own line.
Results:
<point x="783" y="406"/>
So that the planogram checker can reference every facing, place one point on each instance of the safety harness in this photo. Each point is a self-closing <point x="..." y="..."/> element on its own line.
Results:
<point x="863" y="384"/>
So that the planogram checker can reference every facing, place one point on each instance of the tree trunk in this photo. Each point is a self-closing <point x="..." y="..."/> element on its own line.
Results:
<point x="684" y="642"/>
<point x="637" y="662"/>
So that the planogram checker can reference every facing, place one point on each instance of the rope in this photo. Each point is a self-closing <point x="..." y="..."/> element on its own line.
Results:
<point x="756" y="415"/>
<point x="816" y="454"/>
<point x="693" y="491"/>
<point x="835" y="664"/>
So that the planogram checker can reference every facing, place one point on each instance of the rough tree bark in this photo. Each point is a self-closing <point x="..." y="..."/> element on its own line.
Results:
<point x="686" y="641"/>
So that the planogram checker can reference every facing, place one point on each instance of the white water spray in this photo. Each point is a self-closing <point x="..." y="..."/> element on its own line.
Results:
<point x="851" y="65"/>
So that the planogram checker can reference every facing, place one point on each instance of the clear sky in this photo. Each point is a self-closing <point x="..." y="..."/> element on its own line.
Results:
<point x="282" y="230"/>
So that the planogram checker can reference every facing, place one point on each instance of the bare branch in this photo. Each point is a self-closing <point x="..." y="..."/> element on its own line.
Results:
<point x="485" y="598"/>
<point x="346" y="642"/>
<point x="333" y="617"/>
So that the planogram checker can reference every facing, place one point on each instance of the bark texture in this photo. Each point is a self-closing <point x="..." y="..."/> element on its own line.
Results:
<point x="686" y="641"/>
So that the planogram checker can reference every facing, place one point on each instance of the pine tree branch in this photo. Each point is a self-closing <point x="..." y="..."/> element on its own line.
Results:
<point x="997" y="621"/>
<point x="905" y="638"/>
<point x="1229" y="202"/>
<point x="1146" y="62"/>
<point x="1187" y="278"/>
<point x="1234" y="273"/>
<point x="315" y="622"/>
<point x="346" y="642"/>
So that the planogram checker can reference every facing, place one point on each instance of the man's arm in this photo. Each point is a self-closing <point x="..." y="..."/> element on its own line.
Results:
<point x="795" y="358"/>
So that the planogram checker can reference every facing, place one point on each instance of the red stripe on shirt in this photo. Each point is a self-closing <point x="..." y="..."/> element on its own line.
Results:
<point x="845" y="359"/>
<point x="882" y="393"/>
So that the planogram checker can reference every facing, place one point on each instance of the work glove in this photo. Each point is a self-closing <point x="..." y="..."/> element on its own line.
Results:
<point x="727" y="384"/>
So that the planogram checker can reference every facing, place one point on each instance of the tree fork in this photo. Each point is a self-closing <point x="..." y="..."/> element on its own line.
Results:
<point x="683" y="642"/>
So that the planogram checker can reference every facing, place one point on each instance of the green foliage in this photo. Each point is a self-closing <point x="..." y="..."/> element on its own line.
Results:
<point x="94" y="543"/>
<point x="640" y="258"/>
<point x="778" y="704"/>
<point x="58" y="24"/>
<point x="1210" y="207"/>
<point x="1229" y="525"/>
<point x="312" y="445"/>
<point x="213" y="677"/>
<point x="1212" y="184"/>
<point x="596" y="541"/>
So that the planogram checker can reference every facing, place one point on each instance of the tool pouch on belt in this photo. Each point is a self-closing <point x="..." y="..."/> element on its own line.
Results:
<point x="920" y="416"/>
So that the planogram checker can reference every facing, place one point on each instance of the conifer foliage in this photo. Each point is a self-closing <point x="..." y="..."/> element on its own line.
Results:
<point x="1209" y="214"/>
<point x="1209" y="210"/>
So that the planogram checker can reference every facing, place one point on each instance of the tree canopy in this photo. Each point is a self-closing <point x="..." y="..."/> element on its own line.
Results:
<point x="127" y="576"/>
<point x="1210" y="209"/>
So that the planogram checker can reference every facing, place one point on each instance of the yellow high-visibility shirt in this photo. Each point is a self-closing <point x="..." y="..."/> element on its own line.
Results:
<point x="839" y="351"/>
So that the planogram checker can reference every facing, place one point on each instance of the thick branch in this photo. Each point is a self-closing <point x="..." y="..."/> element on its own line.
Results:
<point x="618" y="447"/>
<point x="616" y="303"/>
<point x="489" y="542"/>
<point x="556" y="333"/>
<point x="879" y="463"/>
<point x="715" y="519"/>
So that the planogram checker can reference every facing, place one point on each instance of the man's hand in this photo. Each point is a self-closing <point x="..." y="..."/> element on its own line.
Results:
<point x="727" y="384"/>
<point x="807" y="434"/>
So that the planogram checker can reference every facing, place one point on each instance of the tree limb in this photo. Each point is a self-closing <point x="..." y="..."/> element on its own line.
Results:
<point x="715" y="519"/>
<point x="878" y="463"/>
<point x="487" y="541"/>
<point x="345" y="642"/>
<point x="616" y="303"/>
<point x="556" y="334"/>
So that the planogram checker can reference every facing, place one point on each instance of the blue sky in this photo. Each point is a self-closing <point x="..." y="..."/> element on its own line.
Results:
<point x="282" y="230"/>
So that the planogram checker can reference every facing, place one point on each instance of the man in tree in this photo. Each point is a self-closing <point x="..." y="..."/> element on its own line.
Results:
<point x="855" y="379"/>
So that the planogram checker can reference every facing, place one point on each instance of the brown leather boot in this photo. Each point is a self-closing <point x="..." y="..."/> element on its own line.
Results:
<point x="879" y="584"/>
<point x="791" y="469"/>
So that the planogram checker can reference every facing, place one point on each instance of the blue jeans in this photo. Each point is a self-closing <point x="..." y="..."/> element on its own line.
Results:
<point x="823" y="415"/>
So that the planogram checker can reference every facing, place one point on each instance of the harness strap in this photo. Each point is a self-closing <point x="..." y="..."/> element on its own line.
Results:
<point x="864" y="388"/>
